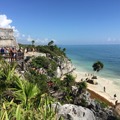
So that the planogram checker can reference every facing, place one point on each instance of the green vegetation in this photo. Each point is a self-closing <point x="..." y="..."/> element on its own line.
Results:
<point x="22" y="99"/>
<point x="69" y="80"/>
<point x="44" y="62"/>
<point x="30" y="97"/>
<point x="102" y="104"/>
<point x="81" y="86"/>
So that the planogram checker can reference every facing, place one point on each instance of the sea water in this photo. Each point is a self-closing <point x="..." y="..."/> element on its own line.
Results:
<point x="83" y="57"/>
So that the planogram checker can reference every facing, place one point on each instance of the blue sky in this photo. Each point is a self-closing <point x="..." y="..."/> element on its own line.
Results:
<point x="64" y="21"/>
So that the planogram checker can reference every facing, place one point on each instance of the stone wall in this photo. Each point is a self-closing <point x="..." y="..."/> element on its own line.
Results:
<point x="7" y="38"/>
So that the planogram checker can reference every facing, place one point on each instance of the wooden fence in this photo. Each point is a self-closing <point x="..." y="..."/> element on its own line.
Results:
<point x="19" y="58"/>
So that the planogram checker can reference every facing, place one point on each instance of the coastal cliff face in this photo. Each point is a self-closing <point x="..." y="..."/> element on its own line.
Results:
<point x="64" y="66"/>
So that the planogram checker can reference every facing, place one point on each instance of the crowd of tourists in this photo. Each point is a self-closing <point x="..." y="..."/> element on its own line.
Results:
<point x="10" y="52"/>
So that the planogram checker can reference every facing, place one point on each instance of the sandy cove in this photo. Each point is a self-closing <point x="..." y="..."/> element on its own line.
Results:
<point x="98" y="90"/>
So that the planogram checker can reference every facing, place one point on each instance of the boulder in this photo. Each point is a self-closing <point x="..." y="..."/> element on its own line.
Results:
<point x="117" y="109"/>
<point x="90" y="81"/>
<point x="94" y="77"/>
<point x="73" y="112"/>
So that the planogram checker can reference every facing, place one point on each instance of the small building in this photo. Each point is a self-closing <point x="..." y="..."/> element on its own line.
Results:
<point x="7" y="38"/>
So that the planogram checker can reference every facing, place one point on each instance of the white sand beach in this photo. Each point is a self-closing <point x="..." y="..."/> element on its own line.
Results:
<point x="110" y="87"/>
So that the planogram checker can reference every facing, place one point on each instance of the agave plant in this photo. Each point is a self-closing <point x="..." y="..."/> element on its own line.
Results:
<point x="25" y="95"/>
<point x="7" y="74"/>
<point x="10" y="111"/>
<point x="45" y="108"/>
<point x="25" y="92"/>
<point x="7" y="70"/>
<point x="68" y="80"/>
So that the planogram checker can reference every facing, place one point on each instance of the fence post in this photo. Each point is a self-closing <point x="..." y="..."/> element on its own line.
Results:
<point x="22" y="61"/>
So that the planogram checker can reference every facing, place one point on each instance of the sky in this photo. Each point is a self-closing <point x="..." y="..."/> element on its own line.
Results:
<point x="66" y="22"/>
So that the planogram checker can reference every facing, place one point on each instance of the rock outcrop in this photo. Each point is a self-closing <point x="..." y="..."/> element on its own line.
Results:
<point x="65" y="66"/>
<point x="117" y="109"/>
<point x="73" y="112"/>
<point x="92" y="110"/>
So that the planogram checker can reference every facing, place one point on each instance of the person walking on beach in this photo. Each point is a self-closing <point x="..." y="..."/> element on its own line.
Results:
<point x="116" y="102"/>
<point x="104" y="89"/>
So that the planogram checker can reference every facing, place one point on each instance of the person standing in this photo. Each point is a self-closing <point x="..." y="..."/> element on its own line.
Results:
<point x="13" y="54"/>
<point x="2" y="51"/>
<point x="104" y="89"/>
<point x="115" y="96"/>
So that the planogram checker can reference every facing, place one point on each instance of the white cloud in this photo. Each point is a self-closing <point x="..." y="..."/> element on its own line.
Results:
<point x="23" y="35"/>
<point x="44" y="41"/>
<point x="5" y="22"/>
<point x="41" y="41"/>
<point x="29" y="38"/>
<point x="38" y="40"/>
<point x="113" y="40"/>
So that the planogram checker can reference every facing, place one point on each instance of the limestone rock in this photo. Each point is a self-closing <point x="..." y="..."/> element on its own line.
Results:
<point x="65" y="66"/>
<point x="73" y="112"/>
<point x="7" y="38"/>
<point x="117" y="109"/>
<point x="58" y="72"/>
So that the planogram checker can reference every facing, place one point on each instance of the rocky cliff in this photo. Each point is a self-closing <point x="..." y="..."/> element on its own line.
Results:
<point x="64" y="66"/>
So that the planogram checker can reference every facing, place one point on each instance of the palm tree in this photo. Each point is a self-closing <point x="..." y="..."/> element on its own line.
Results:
<point x="51" y="43"/>
<point x="33" y="42"/>
<point x="97" y="66"/>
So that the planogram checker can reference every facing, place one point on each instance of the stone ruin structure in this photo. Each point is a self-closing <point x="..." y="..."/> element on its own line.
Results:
<point x="7" y="38"/>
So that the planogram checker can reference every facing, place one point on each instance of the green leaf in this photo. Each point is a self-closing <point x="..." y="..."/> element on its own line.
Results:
<point x="18" y="113"/>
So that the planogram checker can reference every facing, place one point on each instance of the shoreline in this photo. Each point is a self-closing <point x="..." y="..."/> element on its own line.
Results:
<point x="99" y="97"/>
<point x="97" y="91"/>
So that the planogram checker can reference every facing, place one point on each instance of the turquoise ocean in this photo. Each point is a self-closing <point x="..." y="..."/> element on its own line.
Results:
<point x="83" y="57"/>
